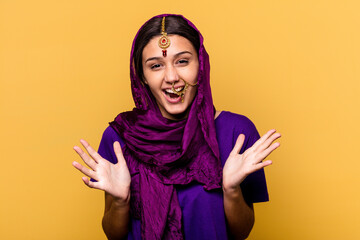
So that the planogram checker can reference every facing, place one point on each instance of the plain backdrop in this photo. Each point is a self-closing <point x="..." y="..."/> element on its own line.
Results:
<point x="289" y="65"/>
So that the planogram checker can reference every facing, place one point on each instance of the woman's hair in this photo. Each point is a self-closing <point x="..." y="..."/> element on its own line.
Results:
<point x="173" y="25"/>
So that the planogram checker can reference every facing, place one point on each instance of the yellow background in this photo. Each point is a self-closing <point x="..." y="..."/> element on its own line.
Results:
<point x="290" y="65"/>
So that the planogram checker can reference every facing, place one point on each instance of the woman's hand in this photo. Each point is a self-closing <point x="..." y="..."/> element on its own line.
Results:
<point x="239" y="166"/>
<point x="112" y="178"/>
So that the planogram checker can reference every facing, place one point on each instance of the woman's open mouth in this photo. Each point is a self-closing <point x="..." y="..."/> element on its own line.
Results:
<point x="171" y="96"/>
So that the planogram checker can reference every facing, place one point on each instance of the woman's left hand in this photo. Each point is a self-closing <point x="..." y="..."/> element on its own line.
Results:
<point x="239" y="166"/>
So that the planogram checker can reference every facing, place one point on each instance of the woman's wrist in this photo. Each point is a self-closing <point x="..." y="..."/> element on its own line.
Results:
<point x="231" y="192"/>
<point x="230" y="186"/>
<point x="121" y="203"/>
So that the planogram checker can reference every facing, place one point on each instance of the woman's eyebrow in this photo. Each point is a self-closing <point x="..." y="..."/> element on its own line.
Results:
<point x="183" y="52"/>
<point x="176" y="55"/>
<point x="152" y="58"/>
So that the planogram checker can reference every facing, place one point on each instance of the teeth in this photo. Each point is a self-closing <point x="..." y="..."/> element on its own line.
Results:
<point x="176" y="89"/>
<point x="169" y="91"/>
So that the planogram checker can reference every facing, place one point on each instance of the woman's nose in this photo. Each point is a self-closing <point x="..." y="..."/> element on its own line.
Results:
<point x="171" y="74"/>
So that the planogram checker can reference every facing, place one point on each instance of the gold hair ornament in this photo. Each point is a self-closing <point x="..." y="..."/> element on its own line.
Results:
<point x="164" y="41"/>
<point x="181" y="93"/>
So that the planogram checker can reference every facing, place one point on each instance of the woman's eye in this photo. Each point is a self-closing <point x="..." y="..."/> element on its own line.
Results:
<point x="154" y="66"/>
<point x="183" y="61"/>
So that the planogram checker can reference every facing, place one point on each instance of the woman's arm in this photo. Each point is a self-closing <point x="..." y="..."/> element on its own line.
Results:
<point x="115" y="222"/>
<point x="239" y="215"/>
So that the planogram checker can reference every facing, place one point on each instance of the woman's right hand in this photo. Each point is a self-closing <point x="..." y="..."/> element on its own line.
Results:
<point x="112" y="178"/>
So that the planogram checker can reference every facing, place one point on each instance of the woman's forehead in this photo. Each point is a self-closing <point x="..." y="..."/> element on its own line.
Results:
<point x="178" y="44"/>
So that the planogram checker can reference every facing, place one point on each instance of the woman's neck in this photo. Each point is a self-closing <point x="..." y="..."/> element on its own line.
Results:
<point x="217" y="113"/>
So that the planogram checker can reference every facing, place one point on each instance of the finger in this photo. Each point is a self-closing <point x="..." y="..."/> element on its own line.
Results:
<point x="89" y="183"/>
<point x="261" y="156"/>
<point x="238" y="144"/>
<point x="88" y="160"/>
<point x="91" y="151"/>
<point x="268" y="141"/>
<point x="263" y="138"/>
<point x="84" y="170"/>
<point x="258" y="166"/>
<point x="262" y="165"/>
<point x="118" y="153"/>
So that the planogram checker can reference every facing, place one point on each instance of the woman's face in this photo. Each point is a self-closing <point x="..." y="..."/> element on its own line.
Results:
<point x="161" y="72"/>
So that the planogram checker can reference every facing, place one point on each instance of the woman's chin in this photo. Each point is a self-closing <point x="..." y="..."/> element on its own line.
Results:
<point x="176" y="114"/>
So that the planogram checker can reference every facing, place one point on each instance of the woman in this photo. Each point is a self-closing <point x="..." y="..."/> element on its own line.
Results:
<point x="175" y="168"/>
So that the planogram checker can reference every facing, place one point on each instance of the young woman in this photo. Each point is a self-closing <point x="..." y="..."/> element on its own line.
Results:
<point x="174" y="167"/>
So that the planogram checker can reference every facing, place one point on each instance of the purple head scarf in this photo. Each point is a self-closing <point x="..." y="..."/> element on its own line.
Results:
<point x="161" y="152"/>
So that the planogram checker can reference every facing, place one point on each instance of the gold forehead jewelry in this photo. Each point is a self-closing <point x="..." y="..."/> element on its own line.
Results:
<point x="164" y="41"/>
<point x="181" y="92"/>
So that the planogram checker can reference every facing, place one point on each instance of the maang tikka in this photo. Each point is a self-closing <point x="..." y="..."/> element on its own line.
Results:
<point x="164" y="41"/>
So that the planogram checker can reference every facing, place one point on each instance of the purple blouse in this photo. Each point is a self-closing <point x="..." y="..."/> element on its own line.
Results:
<point x="203" y="215"/>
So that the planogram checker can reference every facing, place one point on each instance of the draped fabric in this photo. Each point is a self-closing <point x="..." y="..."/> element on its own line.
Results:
<point x="161" y="152"/>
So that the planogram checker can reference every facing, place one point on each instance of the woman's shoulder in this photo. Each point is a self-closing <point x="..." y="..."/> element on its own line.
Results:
<point x="236" y="121"/>
<point x="106" y="146"/>
<point x="110" y="136"/>
<point x="109" y="133"/>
